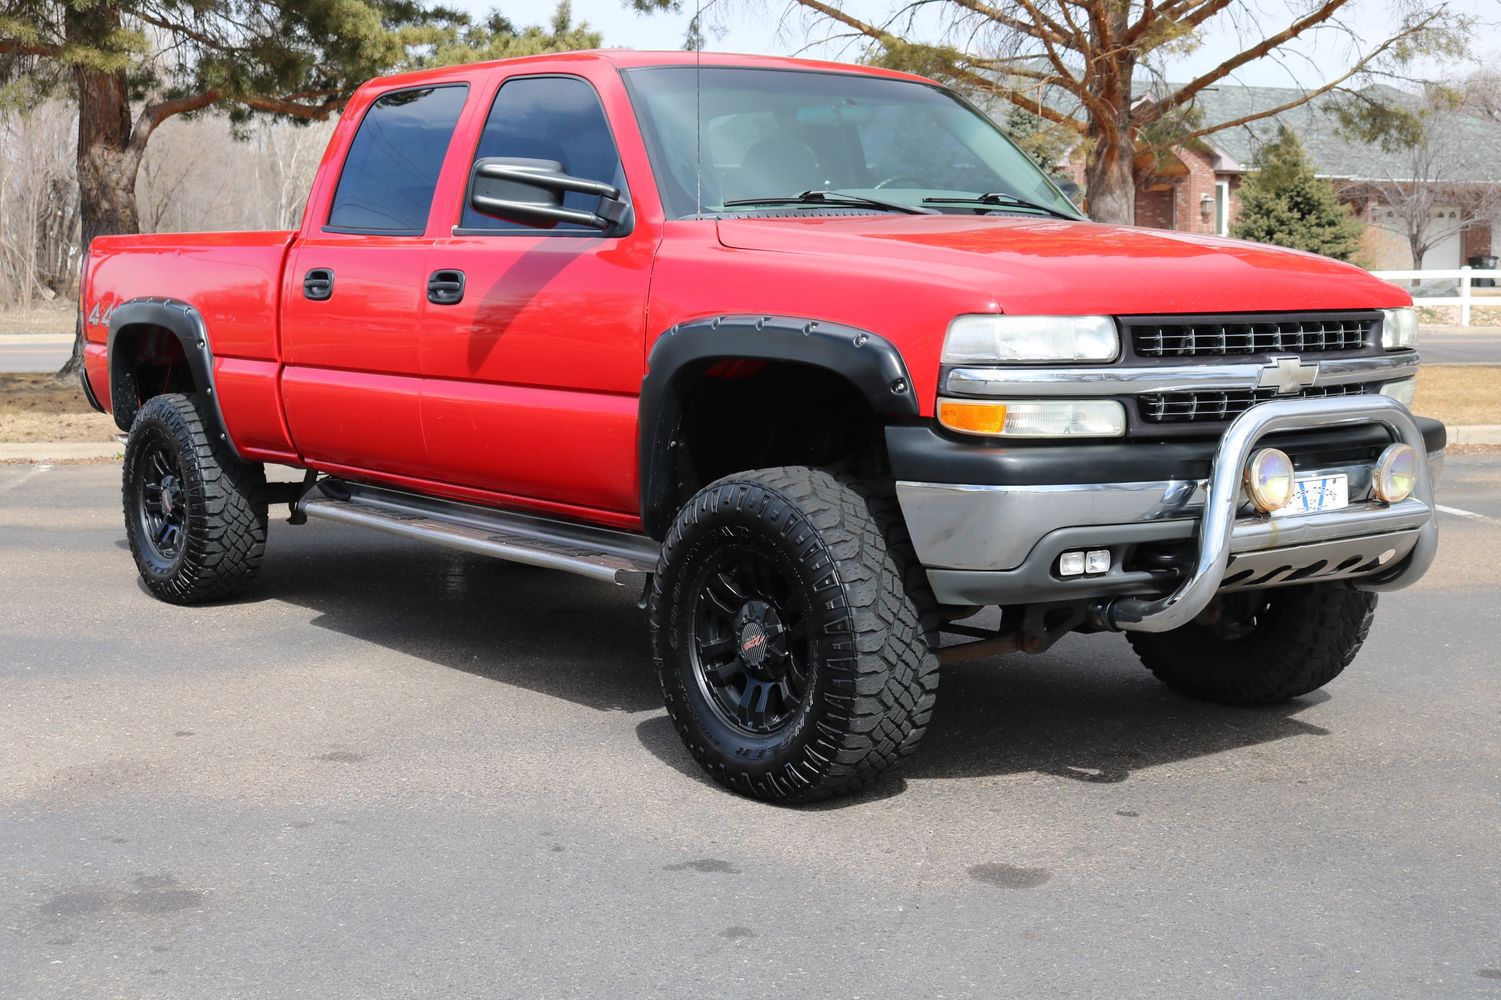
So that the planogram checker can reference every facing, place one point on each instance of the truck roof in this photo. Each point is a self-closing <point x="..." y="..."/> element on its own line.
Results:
<point x="630" y="58"/>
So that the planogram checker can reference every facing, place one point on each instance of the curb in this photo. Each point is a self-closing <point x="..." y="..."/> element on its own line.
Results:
<point x="1476" y="434"/>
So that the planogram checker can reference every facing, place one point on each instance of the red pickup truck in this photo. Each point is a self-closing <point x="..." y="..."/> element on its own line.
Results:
<point x="809" y="352"/>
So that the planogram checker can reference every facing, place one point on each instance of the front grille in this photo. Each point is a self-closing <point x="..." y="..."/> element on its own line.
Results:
<point x="1207" y="405"/>
<point x="1214" y="337"/>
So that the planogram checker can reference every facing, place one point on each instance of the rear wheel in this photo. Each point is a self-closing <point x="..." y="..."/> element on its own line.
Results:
<point x="1267" y="646"/>
<point x="195" y="515"/>
<point x="795" y="659"/>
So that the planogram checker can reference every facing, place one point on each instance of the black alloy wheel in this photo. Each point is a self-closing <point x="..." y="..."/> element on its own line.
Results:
<point x="751" y="653"/>
<point x="161" y="501"/>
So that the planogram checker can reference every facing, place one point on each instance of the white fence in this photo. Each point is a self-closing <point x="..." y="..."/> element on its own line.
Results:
<point x="1419" y="284"/>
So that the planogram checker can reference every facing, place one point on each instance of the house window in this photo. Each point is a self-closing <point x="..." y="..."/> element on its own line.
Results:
<point x="1222" y="208"/>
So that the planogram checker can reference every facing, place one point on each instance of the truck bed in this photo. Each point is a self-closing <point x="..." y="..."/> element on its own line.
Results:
<point x="234" y="281"/>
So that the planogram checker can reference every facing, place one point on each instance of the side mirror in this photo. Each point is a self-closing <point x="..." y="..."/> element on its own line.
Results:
<point x="531" y="191"/>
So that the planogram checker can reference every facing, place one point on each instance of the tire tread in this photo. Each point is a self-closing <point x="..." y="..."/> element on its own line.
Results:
<point x="879" y="714"/>
<point x="226" y="536"/>
<point x="1318" y="634"/>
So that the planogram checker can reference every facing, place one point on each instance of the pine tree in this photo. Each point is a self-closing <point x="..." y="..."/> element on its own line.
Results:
<point x="1284" y="202"/>
<point x="133" y="64"/>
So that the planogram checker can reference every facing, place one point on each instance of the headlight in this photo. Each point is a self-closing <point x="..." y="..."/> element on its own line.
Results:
<point x="1403" y="391"/>
<point x="1034" y="418"/>
<point x="1399" y="329"/>
<point x="989" y="340"/>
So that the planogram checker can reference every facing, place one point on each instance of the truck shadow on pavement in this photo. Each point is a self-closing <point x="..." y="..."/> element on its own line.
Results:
<point x="1091" y="719"/>
<point x="1086" y="711"/>
<point x="552" y="633"/>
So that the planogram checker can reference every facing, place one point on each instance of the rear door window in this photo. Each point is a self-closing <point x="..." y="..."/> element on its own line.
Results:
<point x="392" y="168"/>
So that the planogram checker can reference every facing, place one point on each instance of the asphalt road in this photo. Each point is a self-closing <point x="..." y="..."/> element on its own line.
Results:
<point x="393" y="771"/>
<point x="34" y="352"/>
<point x="1450" y="346"/>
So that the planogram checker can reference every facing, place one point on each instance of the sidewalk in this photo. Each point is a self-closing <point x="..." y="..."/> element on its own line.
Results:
<point x="60" y="451"/>
<point x="30" y="339"/>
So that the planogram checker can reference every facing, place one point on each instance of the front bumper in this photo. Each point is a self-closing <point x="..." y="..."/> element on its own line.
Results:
<point x="1175" y="520"/>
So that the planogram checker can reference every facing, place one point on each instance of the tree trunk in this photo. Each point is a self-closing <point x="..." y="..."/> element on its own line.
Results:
<point x="106" y="166"/>
<point x="1110" y="180"/>
<point x="1110" y="171"/>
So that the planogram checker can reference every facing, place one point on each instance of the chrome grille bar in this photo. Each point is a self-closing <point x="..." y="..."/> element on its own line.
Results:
<point x="1209" y="336"/>
<point x="1130" y="380"/>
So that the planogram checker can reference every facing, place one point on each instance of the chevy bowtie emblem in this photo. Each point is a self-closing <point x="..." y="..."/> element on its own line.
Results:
<point x="1288" y="376"/>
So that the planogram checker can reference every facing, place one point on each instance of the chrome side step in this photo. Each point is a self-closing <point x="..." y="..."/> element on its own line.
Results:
<point x="598" y="553"/>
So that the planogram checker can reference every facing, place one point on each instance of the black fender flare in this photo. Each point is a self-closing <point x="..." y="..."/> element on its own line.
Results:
<point x="184" y="322"/>
<point x="868" y="361"/>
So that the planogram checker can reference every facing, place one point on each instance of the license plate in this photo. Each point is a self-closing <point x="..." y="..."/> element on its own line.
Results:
<point x="1316" y="494"/>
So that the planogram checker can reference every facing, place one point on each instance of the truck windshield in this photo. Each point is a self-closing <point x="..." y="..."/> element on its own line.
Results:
<point x="768" y="136"/>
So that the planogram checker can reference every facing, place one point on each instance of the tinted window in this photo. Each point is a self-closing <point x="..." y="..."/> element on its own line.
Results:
<point x="550" y="118"/>
<point x="393" y="164"/>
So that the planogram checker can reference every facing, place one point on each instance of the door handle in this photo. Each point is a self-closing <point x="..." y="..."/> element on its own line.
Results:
<point x="318" y="284"/>
<point x="445" y="288"/>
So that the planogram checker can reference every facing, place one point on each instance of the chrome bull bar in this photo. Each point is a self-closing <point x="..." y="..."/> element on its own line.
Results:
<point x="1219" y="529"/>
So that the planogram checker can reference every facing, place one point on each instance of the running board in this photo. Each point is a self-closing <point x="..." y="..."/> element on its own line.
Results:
<point x="598" y="553"/>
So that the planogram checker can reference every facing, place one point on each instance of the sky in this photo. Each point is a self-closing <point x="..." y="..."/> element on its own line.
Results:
<point x="763" y="26"/>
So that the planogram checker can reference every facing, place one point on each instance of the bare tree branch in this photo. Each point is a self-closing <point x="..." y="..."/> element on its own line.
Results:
<point x="1307" y="96"/>
<point x="16" y="47"/>
<point x="295" y="109"/>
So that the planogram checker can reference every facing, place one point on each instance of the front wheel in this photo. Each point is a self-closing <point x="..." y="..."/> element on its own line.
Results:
<point x="1267" y="646"/>
<point x="195" y="515"/>
<point x="792" y="634"/>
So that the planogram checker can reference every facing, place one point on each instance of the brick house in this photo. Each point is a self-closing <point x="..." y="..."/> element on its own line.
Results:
<point x="1195" y="187"/>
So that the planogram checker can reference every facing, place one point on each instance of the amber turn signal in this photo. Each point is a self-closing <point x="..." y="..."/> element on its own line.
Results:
<point x="972" y="418"/>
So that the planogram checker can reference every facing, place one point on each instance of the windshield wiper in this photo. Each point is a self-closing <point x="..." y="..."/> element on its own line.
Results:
<point x="833" y="198"/>
<point x="1002" y="199"/>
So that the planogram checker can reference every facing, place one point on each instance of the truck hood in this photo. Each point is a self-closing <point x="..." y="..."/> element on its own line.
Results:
<point x="1060" y="266"/>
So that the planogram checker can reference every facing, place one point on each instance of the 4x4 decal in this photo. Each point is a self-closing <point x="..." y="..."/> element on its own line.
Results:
<point x="98" y="318"/>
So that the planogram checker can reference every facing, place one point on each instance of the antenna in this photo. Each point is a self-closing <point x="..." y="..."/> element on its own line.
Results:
<point x="698" y="110"/>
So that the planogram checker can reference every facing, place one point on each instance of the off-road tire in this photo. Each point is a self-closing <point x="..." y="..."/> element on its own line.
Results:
<point x="873" y="667"/>
<point x="223" y="505"/>
<point x="1302" y="639"/>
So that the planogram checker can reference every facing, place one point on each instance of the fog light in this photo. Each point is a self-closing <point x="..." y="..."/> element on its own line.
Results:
<point x="1097" y="561"/>
<point x="1269" y="479"/>
<point x="1396" y="473"/>
<point x="1071" y="564"/>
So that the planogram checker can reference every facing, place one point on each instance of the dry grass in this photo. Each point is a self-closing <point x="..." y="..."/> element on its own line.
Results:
<point x="40" y="408"/>
<point x="56" y="318"/>
<point x="1460" y="394"/>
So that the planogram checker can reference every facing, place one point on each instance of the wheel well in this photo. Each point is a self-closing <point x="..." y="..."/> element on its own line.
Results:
<point x="734" y="415"/>
<point x="145" y="361"/>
